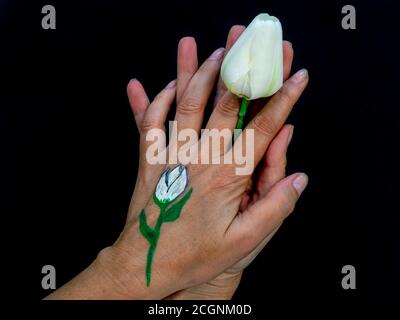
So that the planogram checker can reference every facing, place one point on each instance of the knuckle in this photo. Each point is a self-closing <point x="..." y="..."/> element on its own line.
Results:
<point x="285" y="94"/>
<point x="228" y="107"/>
<point x="247" y="241"/>
<point x="287" y="205"/>
<point x="149" y="123"/>
<point x="265" y="124"/>
<point x="159" y="96"/>
<point x="208" y="66"/>
<point x="189" y="105"/>
<point x="224" y="177"/>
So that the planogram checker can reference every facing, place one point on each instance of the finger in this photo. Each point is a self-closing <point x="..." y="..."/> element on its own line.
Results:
<point x="227" y="107"/>
<point x="157" y="111"/>
<point x="270" y="119"/>
<point x="287" y="66"/>
<point x="288" y="54"/>
<point x="187" y="64"/>
<point x="271" y="168"/>
<point x="225" y="113"/>
<point x="138" y="100"/>
<point x="273" y="165"/>
<point x="233" y="35"/>
<point x="251" y="227"/>
<point x="190" y="110"/>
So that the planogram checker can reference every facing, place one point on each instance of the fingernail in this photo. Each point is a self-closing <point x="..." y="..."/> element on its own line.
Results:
<point x="171" y="85"/>
<point x="290" y="134"/>
<point x="217" y="54"/>
<point x="300" y="75"/>
<point x="300" y="183"/>
<point x="133" y="79"/>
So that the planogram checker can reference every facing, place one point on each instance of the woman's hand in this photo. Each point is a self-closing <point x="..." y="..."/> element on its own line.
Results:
<point x="271" y="168"/>
<point x="222" y="226"/>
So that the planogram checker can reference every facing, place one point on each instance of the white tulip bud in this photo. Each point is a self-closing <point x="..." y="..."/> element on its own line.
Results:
<point x="171" y="184"/>
<point x="253" y="67"/>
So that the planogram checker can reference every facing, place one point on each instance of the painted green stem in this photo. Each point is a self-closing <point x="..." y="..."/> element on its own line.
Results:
<point x="150" y="255"/>
<point x="152" y="249"/>
<point x="169" y="211"/>
<point x="242" y="113"/>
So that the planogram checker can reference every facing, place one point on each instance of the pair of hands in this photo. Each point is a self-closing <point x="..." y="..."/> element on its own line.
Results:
<point x="228" y="219"/>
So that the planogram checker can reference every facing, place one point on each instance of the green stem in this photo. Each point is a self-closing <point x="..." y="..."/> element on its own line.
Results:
<point x="242" y="113"/>
<point x="152" y="249"/>
<point x="150" y="255"/>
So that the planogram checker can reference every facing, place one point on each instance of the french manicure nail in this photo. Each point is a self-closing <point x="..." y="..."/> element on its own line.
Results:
<point x="300" y="183"/>
<point x="300" y="75"/>
<point x="217" y="54"/>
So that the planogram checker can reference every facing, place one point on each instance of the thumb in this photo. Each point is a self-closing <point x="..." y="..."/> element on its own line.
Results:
<point x="266" y="214"/>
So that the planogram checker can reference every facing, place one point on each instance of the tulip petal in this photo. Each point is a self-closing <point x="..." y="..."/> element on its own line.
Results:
<point x="253" y="67"/>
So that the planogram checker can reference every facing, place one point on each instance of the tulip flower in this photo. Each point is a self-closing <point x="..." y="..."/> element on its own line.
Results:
<point x="253" y="67"/>
<point x="170" y="186"/>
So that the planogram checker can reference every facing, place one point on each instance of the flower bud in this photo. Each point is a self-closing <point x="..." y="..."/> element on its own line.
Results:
<point x="253" y="67"/>
<point x="171" y="184"/>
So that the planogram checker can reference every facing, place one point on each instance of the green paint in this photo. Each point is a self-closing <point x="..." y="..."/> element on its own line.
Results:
<point x="169" y="212"/>
<point x="242" y="113"/>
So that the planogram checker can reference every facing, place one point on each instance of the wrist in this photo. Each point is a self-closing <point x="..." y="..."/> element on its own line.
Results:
<point x="222" y="287"/>
<point x="124" y="270"/>
<point x="120" y="275"/>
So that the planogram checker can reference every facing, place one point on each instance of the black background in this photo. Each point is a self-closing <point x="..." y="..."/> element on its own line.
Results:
<point x="71" y="147"/>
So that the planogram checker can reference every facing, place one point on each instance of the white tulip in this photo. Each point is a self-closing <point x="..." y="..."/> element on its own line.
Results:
<point x="171" y="184"/>
<point x="253" y="67"/>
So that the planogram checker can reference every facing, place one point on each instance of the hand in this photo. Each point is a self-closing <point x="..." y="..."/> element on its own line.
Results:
<point x="217" y="228"/>
<point x="270" y="171"/>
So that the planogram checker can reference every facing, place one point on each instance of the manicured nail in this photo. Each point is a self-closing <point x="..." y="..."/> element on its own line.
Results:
<point x="300" y="75"/>
<point x="217" y="54"/>
<point x="300" y="183"/>
<point x="171" y="85"/>
<point x="290" y="134"/>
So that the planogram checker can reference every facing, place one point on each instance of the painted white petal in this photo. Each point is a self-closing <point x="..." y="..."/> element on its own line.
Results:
<point x="162" y="187"/>
<point x="175" y="173"/>
<point x="178" y="186"/>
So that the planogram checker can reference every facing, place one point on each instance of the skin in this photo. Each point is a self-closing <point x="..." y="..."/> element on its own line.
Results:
<point x="228" y="219"/>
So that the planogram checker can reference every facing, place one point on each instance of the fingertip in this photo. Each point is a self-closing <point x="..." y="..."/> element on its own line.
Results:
<point x="134" y="85"/>
<point x="300" y="76"/>
<point x="287" y="43"/>
<point x="300" y="182"/>
<point x="171" y="85"/>
<point x="137" y="96"/>
<point x="288" y="51"/>
<point x="237" y="29"/>
<point x="288" y="54"/>
<point x="234" y="34"/>
<point x="187" y="44"/>
<point x="131" y="83"/>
